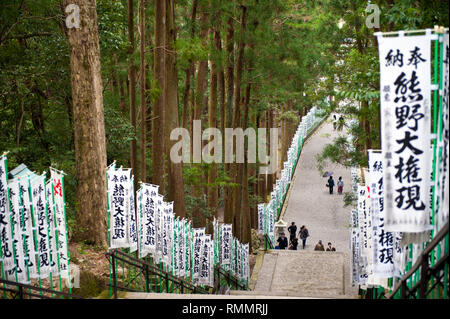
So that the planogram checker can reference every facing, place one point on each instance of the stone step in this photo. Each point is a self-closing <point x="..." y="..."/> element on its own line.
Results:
<point x="305" y="274"/>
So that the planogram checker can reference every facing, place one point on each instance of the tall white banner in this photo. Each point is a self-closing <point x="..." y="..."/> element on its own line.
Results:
<point x="118" y="188"/>
<point x="20" y="270"/>
<point x="383" y="241"/>
<point x="60" y="216"/>
<point x="148" y="206"/>
<point x="6" y="238"/>
<point x="39" y="209"/>
<point x="197" y="242"/>
<point x="405" y="86"/>
<point x="227" y="235"/>
<point x="27" y="224"/>
<point x="261" y="218"/>
<point x="132" y="224"/>
<point x="52" y="227"/>
<point x="442" y="209"/>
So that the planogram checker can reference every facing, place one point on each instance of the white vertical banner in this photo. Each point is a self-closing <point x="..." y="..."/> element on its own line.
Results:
<point x="354" y="248"/>
<point x="140" y="223"/>
<point x="149" y="198"/>
<point x="14" y="197"/>
<point x="6" y="238"/>
<point x="176" y="247"/>
<point x="39" y="209"/>
<point x="227" y="235"/>
<point x="27" y="224"/>
<point x="60" y="217"/>
<point x="383" y="241"/>
<point x="271" y="225"/>
<point x="160" y="227"/>
<point x="442" y="210"/>
<point x="132" y="224"/>
<point x="211" y="264"/>
<point x="52" y="227"/>
<point x="405" y="84"/>
<point x="118" y="188"/>
<point x="198" y="237"/>
<point x="181" y="247"/>
<point x="205" y="260"/>
<point x="188" y="248"/>
<point x="362" y="222"/>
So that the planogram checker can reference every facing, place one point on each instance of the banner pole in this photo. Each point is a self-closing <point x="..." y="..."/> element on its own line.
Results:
<point x="65" y="225"/>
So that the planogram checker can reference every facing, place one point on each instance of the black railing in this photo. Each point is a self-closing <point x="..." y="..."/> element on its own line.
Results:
<point x="225" y="279"/>
<point x="16" y="290"/>
<point x="431" y="277"/>
<point x="268" y="242"/>
<point x="155" y="279"/>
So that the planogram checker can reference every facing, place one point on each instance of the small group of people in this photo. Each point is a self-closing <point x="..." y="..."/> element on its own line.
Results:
<point x="340" y="184"/>
<point x="303" y="234"/>
<point x="319" y="247"/>
<point x="338" y="123"/>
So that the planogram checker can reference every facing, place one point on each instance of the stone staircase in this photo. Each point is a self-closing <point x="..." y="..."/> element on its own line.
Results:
<point x="301" y="274"/>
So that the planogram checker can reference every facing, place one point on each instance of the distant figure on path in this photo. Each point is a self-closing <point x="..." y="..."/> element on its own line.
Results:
<point x="340" y="185"/>
<point x="292" y="230"/>
<point x="303" y="234"/>
<point x="330" y="184"/>
<point x="294" y="244"/>
<point x="319" y="246"/>
<point x="282" y="242"/>
<point x="334" y="122"/>
<point x="330" y="247"/>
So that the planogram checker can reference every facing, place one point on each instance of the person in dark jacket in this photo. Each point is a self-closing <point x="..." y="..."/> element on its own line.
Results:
<point x="282" y="241"/>
<point x="303" y="234"/>
<point x="292" y="231"/>
<point x="331" y="184"/>
<point x="294" y="244"/>
<point x="319" y="246"/>
<point x="330" y="247"/>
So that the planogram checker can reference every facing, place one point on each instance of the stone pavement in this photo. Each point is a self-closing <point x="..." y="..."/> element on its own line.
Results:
<point x="308" y="273"/>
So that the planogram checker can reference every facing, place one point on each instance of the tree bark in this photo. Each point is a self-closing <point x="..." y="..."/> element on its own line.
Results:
<point x="237" y="168"/>
<point x="213" y="198"/>
<point x="175" y="170"/>
<point x="229" y="82"/>
<point x="132" y="94"/>
<point x="158" y="108"/>
<point x="143" y="142"/>
<point x="90" y="146"/>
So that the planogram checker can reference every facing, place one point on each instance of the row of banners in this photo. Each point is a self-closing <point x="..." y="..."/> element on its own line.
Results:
<point x="268" y="213"/>
<point x="405" y="192"/>
<point x="151" y="229"/>
<point x="33" y="233"/>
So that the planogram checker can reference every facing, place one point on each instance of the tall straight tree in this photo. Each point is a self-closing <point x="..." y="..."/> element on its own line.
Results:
<point x="143" y="142"/>
<point x="237" y="168"/>
<point x="229" y="83"/>
<point x="158" y="107"/>
<point x="132" y="88"/>
<point x="213" y="198"/>
<point x="89" y="126"/>
<point x="175" y="170"/>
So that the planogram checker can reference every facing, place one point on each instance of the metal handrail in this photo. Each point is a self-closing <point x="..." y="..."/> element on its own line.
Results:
<point x="148" y="269"/>
<point x="422" y="261"/>
<point x="22" y="293"/>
